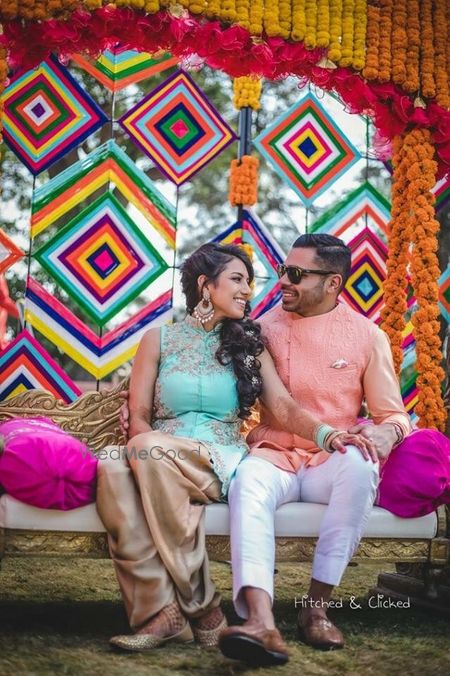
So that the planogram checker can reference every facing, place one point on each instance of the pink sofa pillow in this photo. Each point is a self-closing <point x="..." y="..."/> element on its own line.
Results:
<point x="44" y="466"/>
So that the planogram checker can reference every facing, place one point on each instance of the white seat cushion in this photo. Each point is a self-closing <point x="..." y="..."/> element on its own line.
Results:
<point x="299" y="519"/>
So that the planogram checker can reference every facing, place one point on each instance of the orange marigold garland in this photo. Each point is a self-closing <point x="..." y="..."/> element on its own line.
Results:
<point x="411" y="83"/>
<point x="244" y="181"/>
<point x="441" y="40"/>
<point x="371" y="69"/>
<point x="427" y="83"/>
<point x="384" y="50"/>
<point x="395" y="305"/>
<point x="421" y="178"/>
<point x="399" y="42"/>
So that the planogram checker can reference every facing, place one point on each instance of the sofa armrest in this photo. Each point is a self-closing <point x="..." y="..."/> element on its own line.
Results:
<point x="93" y="418"/>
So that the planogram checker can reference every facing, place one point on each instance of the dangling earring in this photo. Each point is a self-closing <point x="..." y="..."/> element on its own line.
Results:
<point x="204" y="310"/>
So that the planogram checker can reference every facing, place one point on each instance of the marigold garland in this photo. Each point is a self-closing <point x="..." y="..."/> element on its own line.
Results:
<point x="359" y="34"/>
<point x="323" y="23"/>
<point x="384" y="49"/>
<point x="347" y="33"/>
<point x="399" y="41"/>
<point x="427" y="83"/>
<point x="228" y="10"/>
<point x="243" y="181"/>
<point x="242" y="12"/>
<point x="441" y="40"/>
<point x="372" y="66"/>
<point x="395" y="304"/>
<point x="298" y="20"/>
<point x="310" y="24"/>
<point x="421" y="179"/>
<point x="247" y="92"/>
<point x="256" y="13"/>
<point x="334" y="50"/>
<point x="411" y="82"/>
<point x="271" y="19"/>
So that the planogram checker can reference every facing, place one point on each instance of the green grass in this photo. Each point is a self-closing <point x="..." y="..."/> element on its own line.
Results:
<point x="56" y="617"/>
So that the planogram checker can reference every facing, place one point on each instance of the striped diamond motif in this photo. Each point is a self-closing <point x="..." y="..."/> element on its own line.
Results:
<point x="178" y="128"/>
<point x="46" y="114"/>
<point x="306" y="148"/>
<point x="102" y="259"/>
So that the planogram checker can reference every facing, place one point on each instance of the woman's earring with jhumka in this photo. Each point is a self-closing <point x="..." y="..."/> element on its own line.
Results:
<point x="204" y="310"/>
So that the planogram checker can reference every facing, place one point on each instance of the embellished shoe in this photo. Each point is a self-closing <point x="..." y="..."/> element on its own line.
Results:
<point x="209" y="638"/>
<point x="145" y="642"/>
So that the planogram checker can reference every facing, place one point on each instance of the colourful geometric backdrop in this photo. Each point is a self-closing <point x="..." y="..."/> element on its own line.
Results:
<point x="106" y="234"/>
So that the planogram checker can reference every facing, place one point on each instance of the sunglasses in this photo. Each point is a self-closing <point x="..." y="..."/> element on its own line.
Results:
<point x="295" y="274"/>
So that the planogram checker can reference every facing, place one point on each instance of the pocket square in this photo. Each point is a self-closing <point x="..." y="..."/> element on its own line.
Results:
<point x="339" y="364"/>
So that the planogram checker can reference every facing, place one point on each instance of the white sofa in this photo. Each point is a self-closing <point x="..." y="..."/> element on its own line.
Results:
<point x="421" y="544"/>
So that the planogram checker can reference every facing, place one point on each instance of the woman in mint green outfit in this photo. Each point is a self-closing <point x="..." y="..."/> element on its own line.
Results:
<point x="191" y="386"/>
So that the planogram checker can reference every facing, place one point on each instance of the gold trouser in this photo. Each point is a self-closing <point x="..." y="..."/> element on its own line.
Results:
<point x="153" y="509"/>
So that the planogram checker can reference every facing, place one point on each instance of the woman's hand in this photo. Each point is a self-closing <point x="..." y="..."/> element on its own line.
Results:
<point x="124" y="414"/>
<point x="365" y="445"/>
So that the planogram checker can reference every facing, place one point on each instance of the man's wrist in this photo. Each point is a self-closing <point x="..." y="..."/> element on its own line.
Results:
<point x="397" y="433"/>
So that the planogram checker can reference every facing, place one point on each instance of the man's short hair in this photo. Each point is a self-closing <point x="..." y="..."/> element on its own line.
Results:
<point x="331" y="253"/>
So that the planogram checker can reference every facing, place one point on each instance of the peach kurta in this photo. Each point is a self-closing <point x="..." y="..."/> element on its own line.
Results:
<point x="307" y="352"/>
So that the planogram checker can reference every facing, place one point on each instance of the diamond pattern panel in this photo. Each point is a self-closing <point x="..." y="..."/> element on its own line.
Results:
<point x="364" y="288"/>
<point x="99" y="355"/>
<point x="119" y="67"/>
<point x="25" y="365"/>
<point x="102" y="259"/>
<point x="108" y="165"/>
<point x="363" y="207"/>
<point x="266" y="255"/>
<point x="178" y="128"/>
<point x="9" y="252"/>
<point x="306" y="148"/>
<point x="444" y="294"/>
<point x="46" y="113"/>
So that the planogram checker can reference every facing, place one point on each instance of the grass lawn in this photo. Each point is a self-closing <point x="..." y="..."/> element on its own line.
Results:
<point x="56" y="617"/>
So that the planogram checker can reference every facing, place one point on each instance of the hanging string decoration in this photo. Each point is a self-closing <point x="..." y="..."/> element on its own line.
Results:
<point x="46" y="114"/>
<point x="25" y="365"/>
<point x="98" y="355"/>
<point x="306" y="148"/>
<point x="178" y="128"/>
<point x="119" y="67"/>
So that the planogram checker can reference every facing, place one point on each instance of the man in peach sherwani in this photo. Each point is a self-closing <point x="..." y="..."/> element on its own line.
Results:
<point x="330" y="358"/>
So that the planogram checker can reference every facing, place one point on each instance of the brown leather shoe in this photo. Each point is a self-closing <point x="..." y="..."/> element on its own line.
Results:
<point x="320" y="633"/>
<point x="255" y="646"/>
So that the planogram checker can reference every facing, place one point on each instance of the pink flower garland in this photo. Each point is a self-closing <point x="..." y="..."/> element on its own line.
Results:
<point x="230" y="49"/>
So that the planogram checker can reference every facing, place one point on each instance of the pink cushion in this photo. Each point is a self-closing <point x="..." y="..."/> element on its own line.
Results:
<point x="44" y="466"/>
<point x="415" y="479"/>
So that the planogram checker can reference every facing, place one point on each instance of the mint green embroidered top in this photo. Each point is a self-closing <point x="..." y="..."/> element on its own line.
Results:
<point x="196" y="397"/>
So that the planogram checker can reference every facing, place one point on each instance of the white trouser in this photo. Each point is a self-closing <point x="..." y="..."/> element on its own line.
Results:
<point x="345" y="482"/>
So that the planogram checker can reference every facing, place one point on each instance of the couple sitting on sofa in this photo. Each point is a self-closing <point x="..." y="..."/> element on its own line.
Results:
<point x="192" y="383"/>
